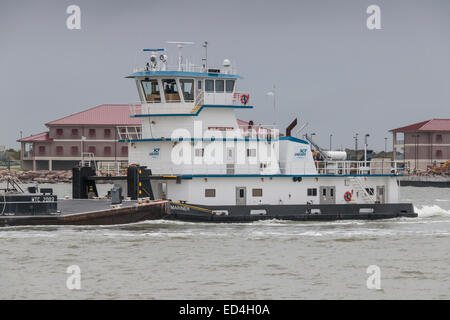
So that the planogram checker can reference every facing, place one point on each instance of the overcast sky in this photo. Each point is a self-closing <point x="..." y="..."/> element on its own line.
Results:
<point x="329" y="69"/>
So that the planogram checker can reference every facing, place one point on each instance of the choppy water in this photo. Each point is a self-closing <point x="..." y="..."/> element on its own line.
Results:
<point x="261" y="260"/>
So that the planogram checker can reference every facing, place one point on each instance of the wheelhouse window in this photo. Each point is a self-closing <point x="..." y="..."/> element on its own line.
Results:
<point x="151" y="90"/>
<point x="229" y="85"/>
<point x="220" y="85"/>
<point x="209" y="85"/>
<point x="187" y="87"/>
<point x="171" y="90"/>
<point x="199" y="84"/>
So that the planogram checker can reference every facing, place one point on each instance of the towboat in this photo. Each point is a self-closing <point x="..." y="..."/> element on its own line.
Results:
<point x="214" y="167"/>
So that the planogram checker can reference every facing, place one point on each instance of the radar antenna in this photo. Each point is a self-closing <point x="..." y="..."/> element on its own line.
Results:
<point x="180" y="45"/>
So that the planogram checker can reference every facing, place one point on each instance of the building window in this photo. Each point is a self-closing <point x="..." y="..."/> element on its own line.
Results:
<point x="229" y="85"/>
<point x="91" y="149"/>
<point x="59" y="132"/>
<point x="151" y="90"/>
<point x="124" y="150"/>
<point x="75" y="132"/>
<point x="251" y="152"/>
<point x="59" y="150"/>
<point x="92" y="132"/>
<point x="210" y="193"/>
<point x="187" y="87"/>
<point x="41" y="149"/>
<point x="312" y="192"/>
<point x="171" y="90"/>
<point x="209" y="85"/>
<point x="74" y="150"/>
<point x="107" y="150"/>
<point x="107" y="132"/>
<point x="257" y="192"/>
<point x="439" y="154"/>
<point x="220" y="84"/>
<point x="439" y="138"/>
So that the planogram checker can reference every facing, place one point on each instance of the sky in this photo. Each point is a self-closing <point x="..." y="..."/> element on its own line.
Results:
<point x="329" y="69"/>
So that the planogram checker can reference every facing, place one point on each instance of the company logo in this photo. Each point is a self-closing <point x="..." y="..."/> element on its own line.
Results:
<point x="300" y="154"/>
<point x="155" y="153"/>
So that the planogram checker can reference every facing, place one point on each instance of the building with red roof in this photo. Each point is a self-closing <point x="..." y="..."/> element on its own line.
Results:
<point x="424" y="143"/>
<point x="93" y="133"/>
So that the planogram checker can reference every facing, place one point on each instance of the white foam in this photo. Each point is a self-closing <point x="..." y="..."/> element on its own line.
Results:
<point x="431" y="211"/>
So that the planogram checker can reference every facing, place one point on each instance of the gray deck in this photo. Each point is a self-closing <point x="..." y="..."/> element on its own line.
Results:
<point x="73" y="206"/>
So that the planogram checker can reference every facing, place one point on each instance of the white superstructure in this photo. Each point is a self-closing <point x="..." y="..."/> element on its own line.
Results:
<point x="200" y="153"/>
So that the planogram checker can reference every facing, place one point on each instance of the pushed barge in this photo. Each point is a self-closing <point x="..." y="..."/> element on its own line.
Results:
<point x="18" y="208"/>
<point x="215" y="167"/>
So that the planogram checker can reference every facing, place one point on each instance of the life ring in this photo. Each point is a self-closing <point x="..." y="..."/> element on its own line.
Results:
<point x="347" y="196"/>
<point x="245" y="98"/>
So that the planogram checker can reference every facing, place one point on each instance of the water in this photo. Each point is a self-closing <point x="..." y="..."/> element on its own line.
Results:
<point x="261" y="260"/>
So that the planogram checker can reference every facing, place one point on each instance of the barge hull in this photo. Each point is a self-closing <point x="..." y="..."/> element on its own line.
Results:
<point x="201" y="213"/>
<point x="91" y="212"/>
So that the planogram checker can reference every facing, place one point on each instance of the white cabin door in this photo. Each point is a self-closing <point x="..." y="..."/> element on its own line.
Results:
<point x="327" y="195"/>
<point x="241" y="196"/>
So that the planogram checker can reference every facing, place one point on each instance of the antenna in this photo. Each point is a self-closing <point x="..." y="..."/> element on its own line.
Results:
<point x="153" y="59"/>
<point x="205" y="59"/>
<point x="180" y="45"/>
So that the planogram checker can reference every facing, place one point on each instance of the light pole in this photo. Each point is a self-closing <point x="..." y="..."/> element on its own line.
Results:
<point x="365" y="149"/>
<point x="331" y="135"/>
<point x="385" y="146"/>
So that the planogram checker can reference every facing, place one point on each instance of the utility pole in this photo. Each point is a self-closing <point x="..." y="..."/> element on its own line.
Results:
<point x="330" y="140"/>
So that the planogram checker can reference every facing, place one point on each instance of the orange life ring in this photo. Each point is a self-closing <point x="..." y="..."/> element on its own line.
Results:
<point x="245" y="98"/>
<point x="347" y="196"/>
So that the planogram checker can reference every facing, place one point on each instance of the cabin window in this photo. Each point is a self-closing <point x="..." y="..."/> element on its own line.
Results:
<point x="151" y="90"/>
<point x="257" y="192"/>
<point x="199" y="84"/>
<point x="251" y="152"/>
<point x="187" y="87"/>
<point x="199" y="152"/>
<point x="370" y="191"/>
<point x="220" y="85"/>
<point x="209" y="85"/>
<point x="171" y="90"/>
<point x="312" y="192"/>
<point x="210" y="193"/>
<point x="74" y="132"/>
<point x="229" y="85"/>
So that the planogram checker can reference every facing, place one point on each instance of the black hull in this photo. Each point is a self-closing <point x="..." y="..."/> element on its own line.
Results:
<point x="92" y="212"/>
<point x="201" y="213"/>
